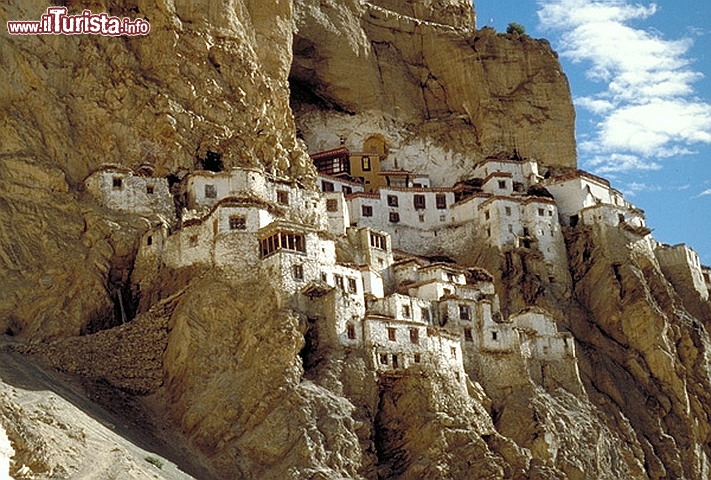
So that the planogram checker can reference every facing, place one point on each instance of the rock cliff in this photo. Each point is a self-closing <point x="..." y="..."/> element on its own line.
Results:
<point x="239" y="375"/>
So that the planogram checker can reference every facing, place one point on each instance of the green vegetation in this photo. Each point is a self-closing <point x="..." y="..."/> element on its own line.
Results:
<point x="516" y="28"/>
<point x="155" y="461"/>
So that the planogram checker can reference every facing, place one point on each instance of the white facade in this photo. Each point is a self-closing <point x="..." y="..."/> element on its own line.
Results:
<point x="576" y="192"/>
<point x="540" y="337"/>
<point x="121" y="189"/>
<point x="521" y="172"/>
<point x="681" y="264"/>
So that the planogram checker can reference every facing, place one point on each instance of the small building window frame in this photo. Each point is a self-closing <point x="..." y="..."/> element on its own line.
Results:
<point x="419" y="201"/>
<point x="415" y="336"/>
<point x="331" y="205"/>
<point x="394" y="217"/>
<point x="392" y="334"/>
<point x="210" y="191"/>
<point x="238" y="222"/>
<point x="282" y="197"/>
<point x="117" y="183"/>
<point x="392" y="201"/>
<point x="297" y="271"/>
<point x="441" y="201"/>
<point x="366" y="210"/>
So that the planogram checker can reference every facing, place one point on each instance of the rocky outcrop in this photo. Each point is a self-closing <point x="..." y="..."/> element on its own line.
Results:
<point x="246" y="380"/>
<point x="468" y="91"/>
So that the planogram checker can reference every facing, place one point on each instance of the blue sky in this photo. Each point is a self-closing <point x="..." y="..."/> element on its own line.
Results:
<point x="640" y="74"/>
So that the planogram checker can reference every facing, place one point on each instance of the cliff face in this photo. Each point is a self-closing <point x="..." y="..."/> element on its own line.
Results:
<point x="224" y="359"/>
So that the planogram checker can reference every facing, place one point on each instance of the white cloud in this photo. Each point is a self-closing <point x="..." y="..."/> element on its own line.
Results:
<point x="705" y="193"/>
<point x="646" y="107"/>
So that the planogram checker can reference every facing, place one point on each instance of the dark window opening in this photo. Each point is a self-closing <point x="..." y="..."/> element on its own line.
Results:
<point x="238" y="222"/>
<point x="419" y="201"/>
<point x="468" y="335"/>
<point x="574" y="220"/>
<point x="395" y="362"/>
<point x="352" y="285"/>
<point x="621" y="217"/>
<point x="346" y="190"/>
<point x="298" y="271"/>
<point x="117" y="183"/>
<point x="391" y="334"/>
<point x="392" y="201"/>
<point x="210" y="191"/>
<point x="339" y="281"/>
<point x="414" y="335"/>
<point x="331" y="205"/>
<point x="495" y="336"/>
<point x="283" y="197"/>
<point x="377" y="241"/>
<point x="441" y="201"/>
<point x="453" y="352"/>
<point x="384" y="358"/>
<point x="417" y="358"/>
<point x="212" y="162"/>
<point x="327" y="186"/>
<point x="394" y="217"/>
<point x="425" y="314"/>
<point x="464" y="312"/>
<point x="351" y="331"/>
<point x="367" y="210"/>
<point x="487" y="215"/>
<point x="541" y="212"/>
<point x="502" y="184"/>
<point x="193" y="241"/>
<point x="149" y="240"/>
<point x="282" y="241"/>
<point x="406" y="311"/>
<point x="150" y="189"/>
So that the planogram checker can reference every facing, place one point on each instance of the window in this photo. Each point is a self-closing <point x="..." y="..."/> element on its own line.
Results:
<point x="495" y="336"/>
<point x="442" y="218"/>
<point x="193" y="241"/>
<point x="550" y="213"/>
<point x="298" y="271"/>
<point x="468" y="335"/>
<point x="418" y="201"/>
<point x="392" y="201"/>
<point x="377" y="241"/>
<point x="414" y="335"/>
<point x="210" y="191"/>
<point x="453" y="352"/>
<point x="502" y="184"/>
<point x="621" y="217"/>
<point x="324" y="277"/>
<point x="365" y="164"/>
<point x="282" y="241"/>
<point x="238" y="222"/>
<point x="331" y="205"/>
<point x="456" y="375"/>
<point x="507" y="210"/>
<point x="406" y="311"/>
<point x="366" y="210"/>
<point x="441" y="201"/>
<point x="283" y="197"/>
<point x="417" y="358"/>
<point x="510" y="228"/>
<point x="421" y="217"/>
<point x="425" y="313"/>
<point x="149" y="240"/>
<point x="346" y="190"/>
<point x="384" y="358"/>
<point x="486" y="215"/>
<point x="350" y="331"/>
<point x="391" y="334"/>
<point x="150" y="189"/>
<point x="526" y="232"/>
<point x="326" y="186"/>
<point x="464" y="312"/>
<point x="339" y="280"/>
<point x="352" y="285"/>
<point x="541" y="212"/>
<point x="394" y="217"/>
<point x="117" y="183"/>
<point x="488" y="232"/>
<point x="395" y="362"/>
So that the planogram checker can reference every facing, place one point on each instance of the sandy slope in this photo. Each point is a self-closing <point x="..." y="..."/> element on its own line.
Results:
<point x="58" y="430"/>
